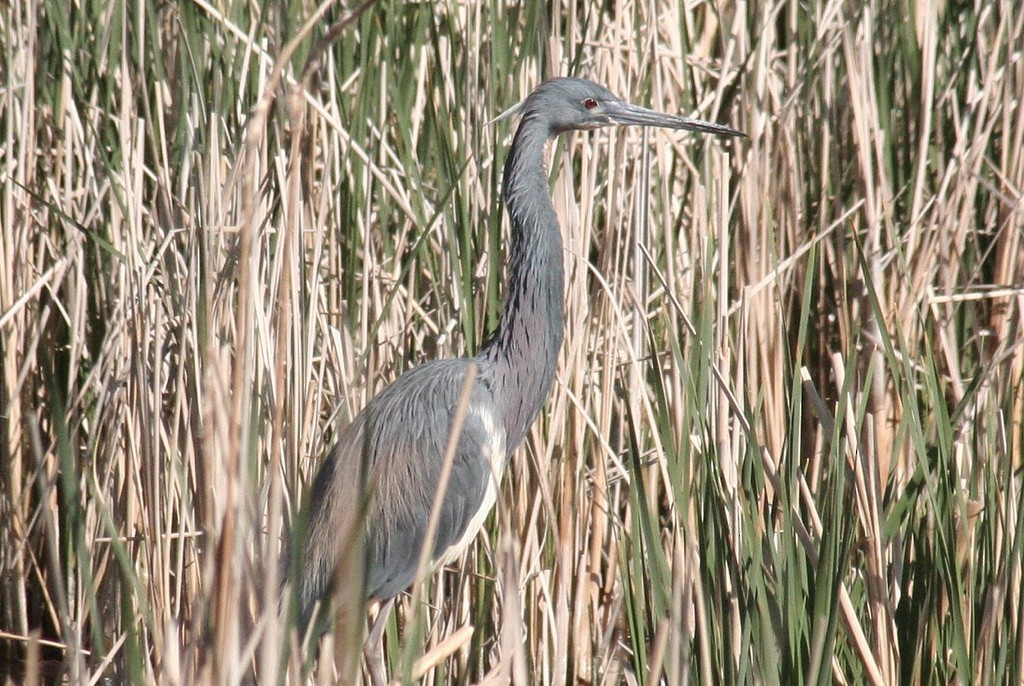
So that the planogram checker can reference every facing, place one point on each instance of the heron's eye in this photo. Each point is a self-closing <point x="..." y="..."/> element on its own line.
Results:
<point x="590" y="103"/>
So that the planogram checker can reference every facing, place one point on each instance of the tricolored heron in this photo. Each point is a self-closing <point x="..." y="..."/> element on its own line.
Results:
<point x="381" y="479"/>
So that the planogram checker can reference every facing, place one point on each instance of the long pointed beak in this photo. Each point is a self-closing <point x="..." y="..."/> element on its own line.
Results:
<point x="627" y="114"/>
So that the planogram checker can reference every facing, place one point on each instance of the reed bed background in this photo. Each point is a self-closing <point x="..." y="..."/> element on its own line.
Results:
<point x="785" y="441"/>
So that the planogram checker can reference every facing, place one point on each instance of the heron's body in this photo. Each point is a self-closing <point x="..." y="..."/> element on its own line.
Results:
<point x="380" y="480"/>
<point x="394" y="534"/>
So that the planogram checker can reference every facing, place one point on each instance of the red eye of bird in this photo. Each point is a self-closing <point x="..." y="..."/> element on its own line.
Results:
<point x="590" y="103"/>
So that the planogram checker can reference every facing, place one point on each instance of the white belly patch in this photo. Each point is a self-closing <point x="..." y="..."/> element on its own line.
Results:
<point x="494" y="455"/>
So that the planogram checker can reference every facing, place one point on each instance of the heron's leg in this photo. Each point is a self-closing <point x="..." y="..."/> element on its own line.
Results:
<point x="373" y="649"/>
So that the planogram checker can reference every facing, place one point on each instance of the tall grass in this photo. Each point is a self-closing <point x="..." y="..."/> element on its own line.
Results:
<point x="785" y="441"/>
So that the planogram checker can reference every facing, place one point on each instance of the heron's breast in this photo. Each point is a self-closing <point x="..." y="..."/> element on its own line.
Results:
<point x="494" y="455"/>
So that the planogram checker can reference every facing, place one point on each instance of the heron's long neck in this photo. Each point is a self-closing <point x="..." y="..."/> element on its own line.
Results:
<point x="519" y="361"/>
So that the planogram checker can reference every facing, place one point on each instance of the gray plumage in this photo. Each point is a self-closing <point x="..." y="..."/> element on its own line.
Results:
<point x="380" y="479"/>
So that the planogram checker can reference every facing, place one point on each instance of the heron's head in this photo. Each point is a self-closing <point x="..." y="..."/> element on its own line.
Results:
<point x="567" y="104"/>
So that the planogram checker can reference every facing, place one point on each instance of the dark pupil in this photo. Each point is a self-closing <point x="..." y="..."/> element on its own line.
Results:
<point x="590" y="103"/>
